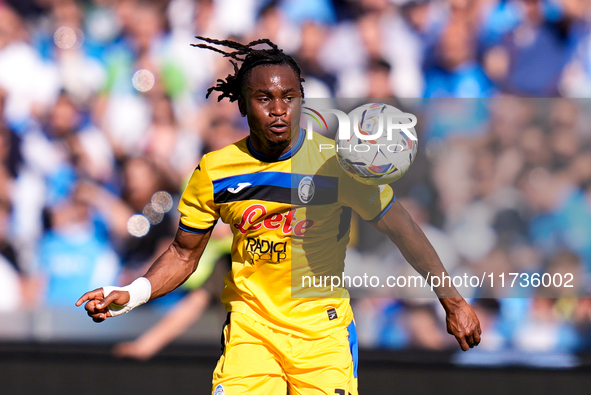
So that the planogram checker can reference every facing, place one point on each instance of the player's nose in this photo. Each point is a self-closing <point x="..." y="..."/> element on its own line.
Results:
<point x="279" y="108"/>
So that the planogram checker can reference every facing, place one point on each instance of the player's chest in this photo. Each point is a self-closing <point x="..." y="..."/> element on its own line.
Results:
<point x="250" y="218"/>
<point x="255" y="216"/>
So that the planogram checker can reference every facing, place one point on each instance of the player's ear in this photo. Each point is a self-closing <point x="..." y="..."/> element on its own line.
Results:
<point x="242" y="105"/>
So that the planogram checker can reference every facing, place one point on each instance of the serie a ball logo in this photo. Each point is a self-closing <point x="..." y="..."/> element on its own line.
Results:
<point x="384" y="155"/>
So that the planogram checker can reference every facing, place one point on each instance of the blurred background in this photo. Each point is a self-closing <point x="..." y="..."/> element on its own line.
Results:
<point x="103" y="117"/>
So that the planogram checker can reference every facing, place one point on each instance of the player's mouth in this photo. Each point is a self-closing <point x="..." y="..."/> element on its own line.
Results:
<point x="279" y="127"/>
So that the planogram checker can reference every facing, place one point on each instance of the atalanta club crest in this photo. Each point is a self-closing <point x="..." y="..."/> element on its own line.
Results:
<point x="306" y="189"/>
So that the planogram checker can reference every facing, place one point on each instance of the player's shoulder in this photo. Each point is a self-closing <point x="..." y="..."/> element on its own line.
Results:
<point x="320" y="144"/>
<point x="234" y="152"/>
<point x="319" y="138"/>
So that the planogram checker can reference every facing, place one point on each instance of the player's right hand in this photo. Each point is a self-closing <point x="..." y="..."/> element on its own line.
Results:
<point x="97" y="306"/>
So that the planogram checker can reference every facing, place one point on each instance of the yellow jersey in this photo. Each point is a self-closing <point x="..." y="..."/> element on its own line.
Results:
<point x="290" y="217"/>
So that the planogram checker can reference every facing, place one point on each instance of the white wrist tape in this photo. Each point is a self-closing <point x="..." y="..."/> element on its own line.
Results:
<point x="139" y="293"/>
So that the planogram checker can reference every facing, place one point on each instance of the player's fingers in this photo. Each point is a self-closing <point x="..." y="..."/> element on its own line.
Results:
<point x="476" y="334"/>
<point x="477" y="337"/>
<point x="117" y="297"/>
<point x="463" y="343"/>
<point x="98" y="317"/>
<point x="96" y="314"/>
<point x="470" y="340"/>
<point x="95" y="294"/>
<point x="90" y="307"/>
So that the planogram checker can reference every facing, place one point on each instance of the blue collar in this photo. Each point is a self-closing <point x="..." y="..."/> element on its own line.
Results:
<point x="287" y="155"/>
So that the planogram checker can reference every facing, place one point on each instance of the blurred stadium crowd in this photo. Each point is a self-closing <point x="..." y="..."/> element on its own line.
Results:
<point x="103" y="117"/>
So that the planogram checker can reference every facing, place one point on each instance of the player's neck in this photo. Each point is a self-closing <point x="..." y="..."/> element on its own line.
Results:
<point x="277" y="152"/>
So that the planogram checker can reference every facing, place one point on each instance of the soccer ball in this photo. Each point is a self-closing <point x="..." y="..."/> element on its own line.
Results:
<point x="381" y="160"/>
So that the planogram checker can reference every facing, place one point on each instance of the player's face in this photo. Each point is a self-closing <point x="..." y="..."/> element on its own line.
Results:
<point x="269" y="99"/>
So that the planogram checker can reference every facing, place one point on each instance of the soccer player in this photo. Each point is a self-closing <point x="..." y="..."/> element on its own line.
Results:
<point x="273" y="342"/>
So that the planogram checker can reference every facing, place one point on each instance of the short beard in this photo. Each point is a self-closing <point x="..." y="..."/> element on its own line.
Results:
<point x="277" y="145"/>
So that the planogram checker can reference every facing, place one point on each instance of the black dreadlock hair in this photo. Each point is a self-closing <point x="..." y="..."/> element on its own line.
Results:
<point x="250" y="58"/>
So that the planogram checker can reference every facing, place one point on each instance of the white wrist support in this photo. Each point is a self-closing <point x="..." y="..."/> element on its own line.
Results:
<point x="139" y="293"/>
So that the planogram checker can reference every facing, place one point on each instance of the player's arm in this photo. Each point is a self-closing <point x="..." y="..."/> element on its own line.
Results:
<point x="398" y="225"/>
<point x="169" y="271"/>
